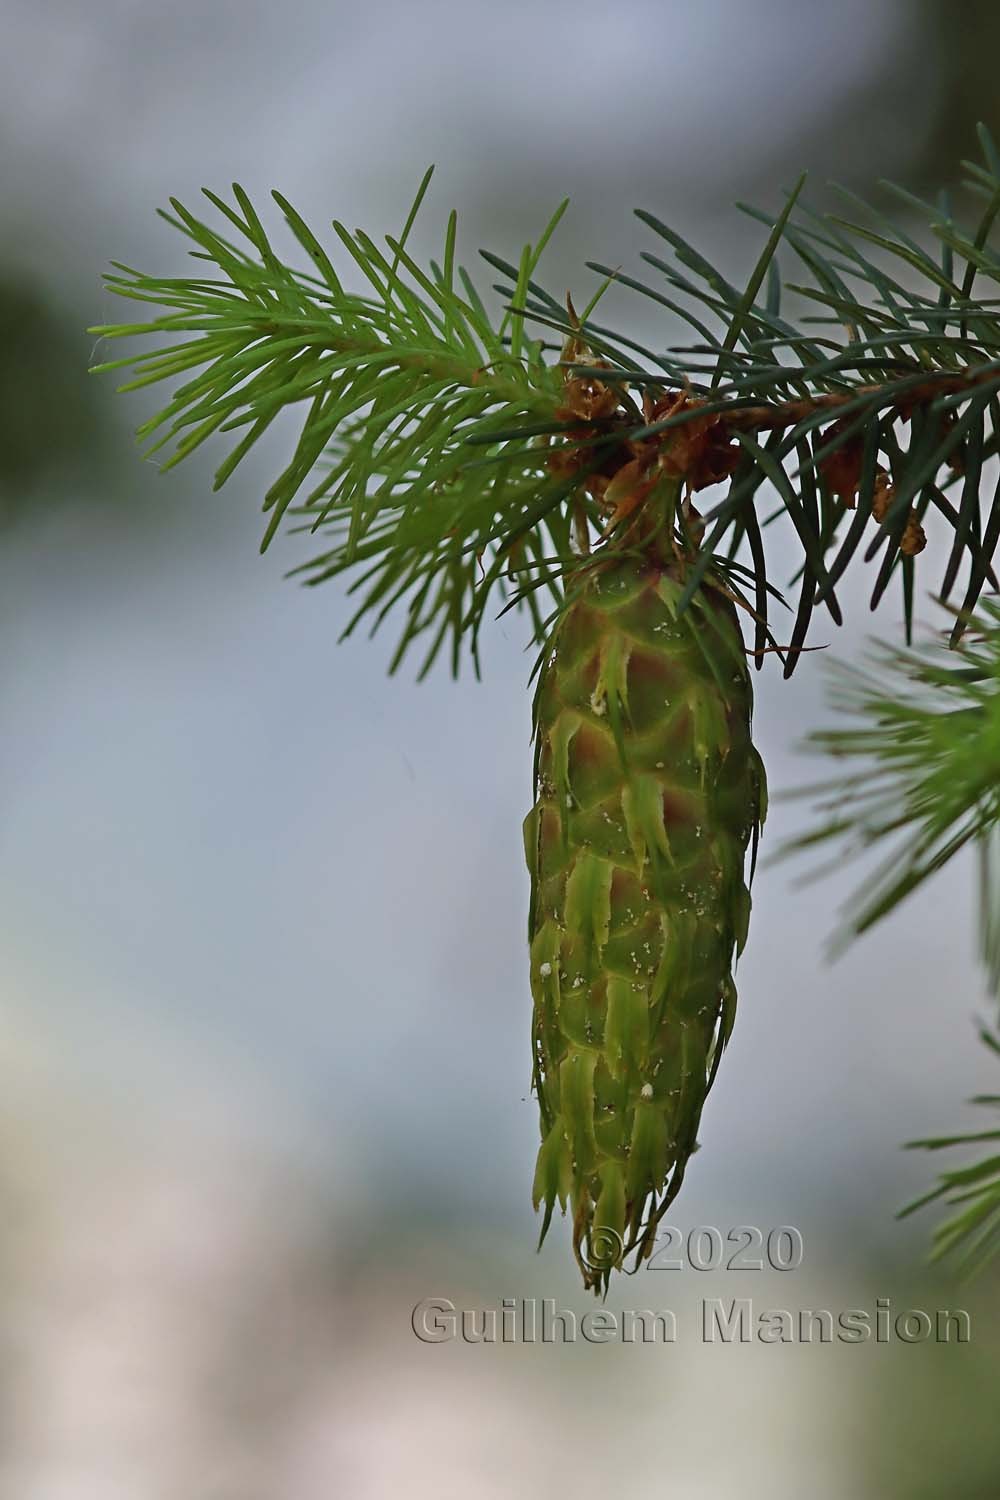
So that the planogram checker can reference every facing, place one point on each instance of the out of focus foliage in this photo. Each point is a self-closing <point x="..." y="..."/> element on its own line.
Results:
<point x="50" y="420"/>
<point x="963" y="46"/>
<point x="918" y="777"/>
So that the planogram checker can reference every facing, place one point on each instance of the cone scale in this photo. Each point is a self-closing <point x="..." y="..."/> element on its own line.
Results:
<point x="648" y="791"/>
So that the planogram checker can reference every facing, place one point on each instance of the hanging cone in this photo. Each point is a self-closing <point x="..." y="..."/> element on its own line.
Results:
<point x="648" y="791"/>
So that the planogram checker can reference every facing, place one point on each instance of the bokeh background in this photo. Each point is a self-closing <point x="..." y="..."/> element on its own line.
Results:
<point x="262" y="909"/>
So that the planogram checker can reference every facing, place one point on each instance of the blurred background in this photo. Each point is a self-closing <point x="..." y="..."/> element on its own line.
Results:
<point x="262" y="909"/>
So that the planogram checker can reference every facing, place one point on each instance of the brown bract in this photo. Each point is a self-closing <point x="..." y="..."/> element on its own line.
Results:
<point x="700" y="450"/>
<point x="914" y="538"/>
<point x="587" y="398"/>
<point x="841" y="469"/>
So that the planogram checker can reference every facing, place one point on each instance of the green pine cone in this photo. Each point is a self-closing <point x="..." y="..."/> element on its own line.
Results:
<point x="648" y="789"/>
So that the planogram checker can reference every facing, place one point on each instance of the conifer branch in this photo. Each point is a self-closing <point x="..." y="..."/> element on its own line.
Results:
<point x="451" y="461"/>
<point x="920" y="777"/>
<point x="448" y="459"/>
<point x="971" y="1236"/>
